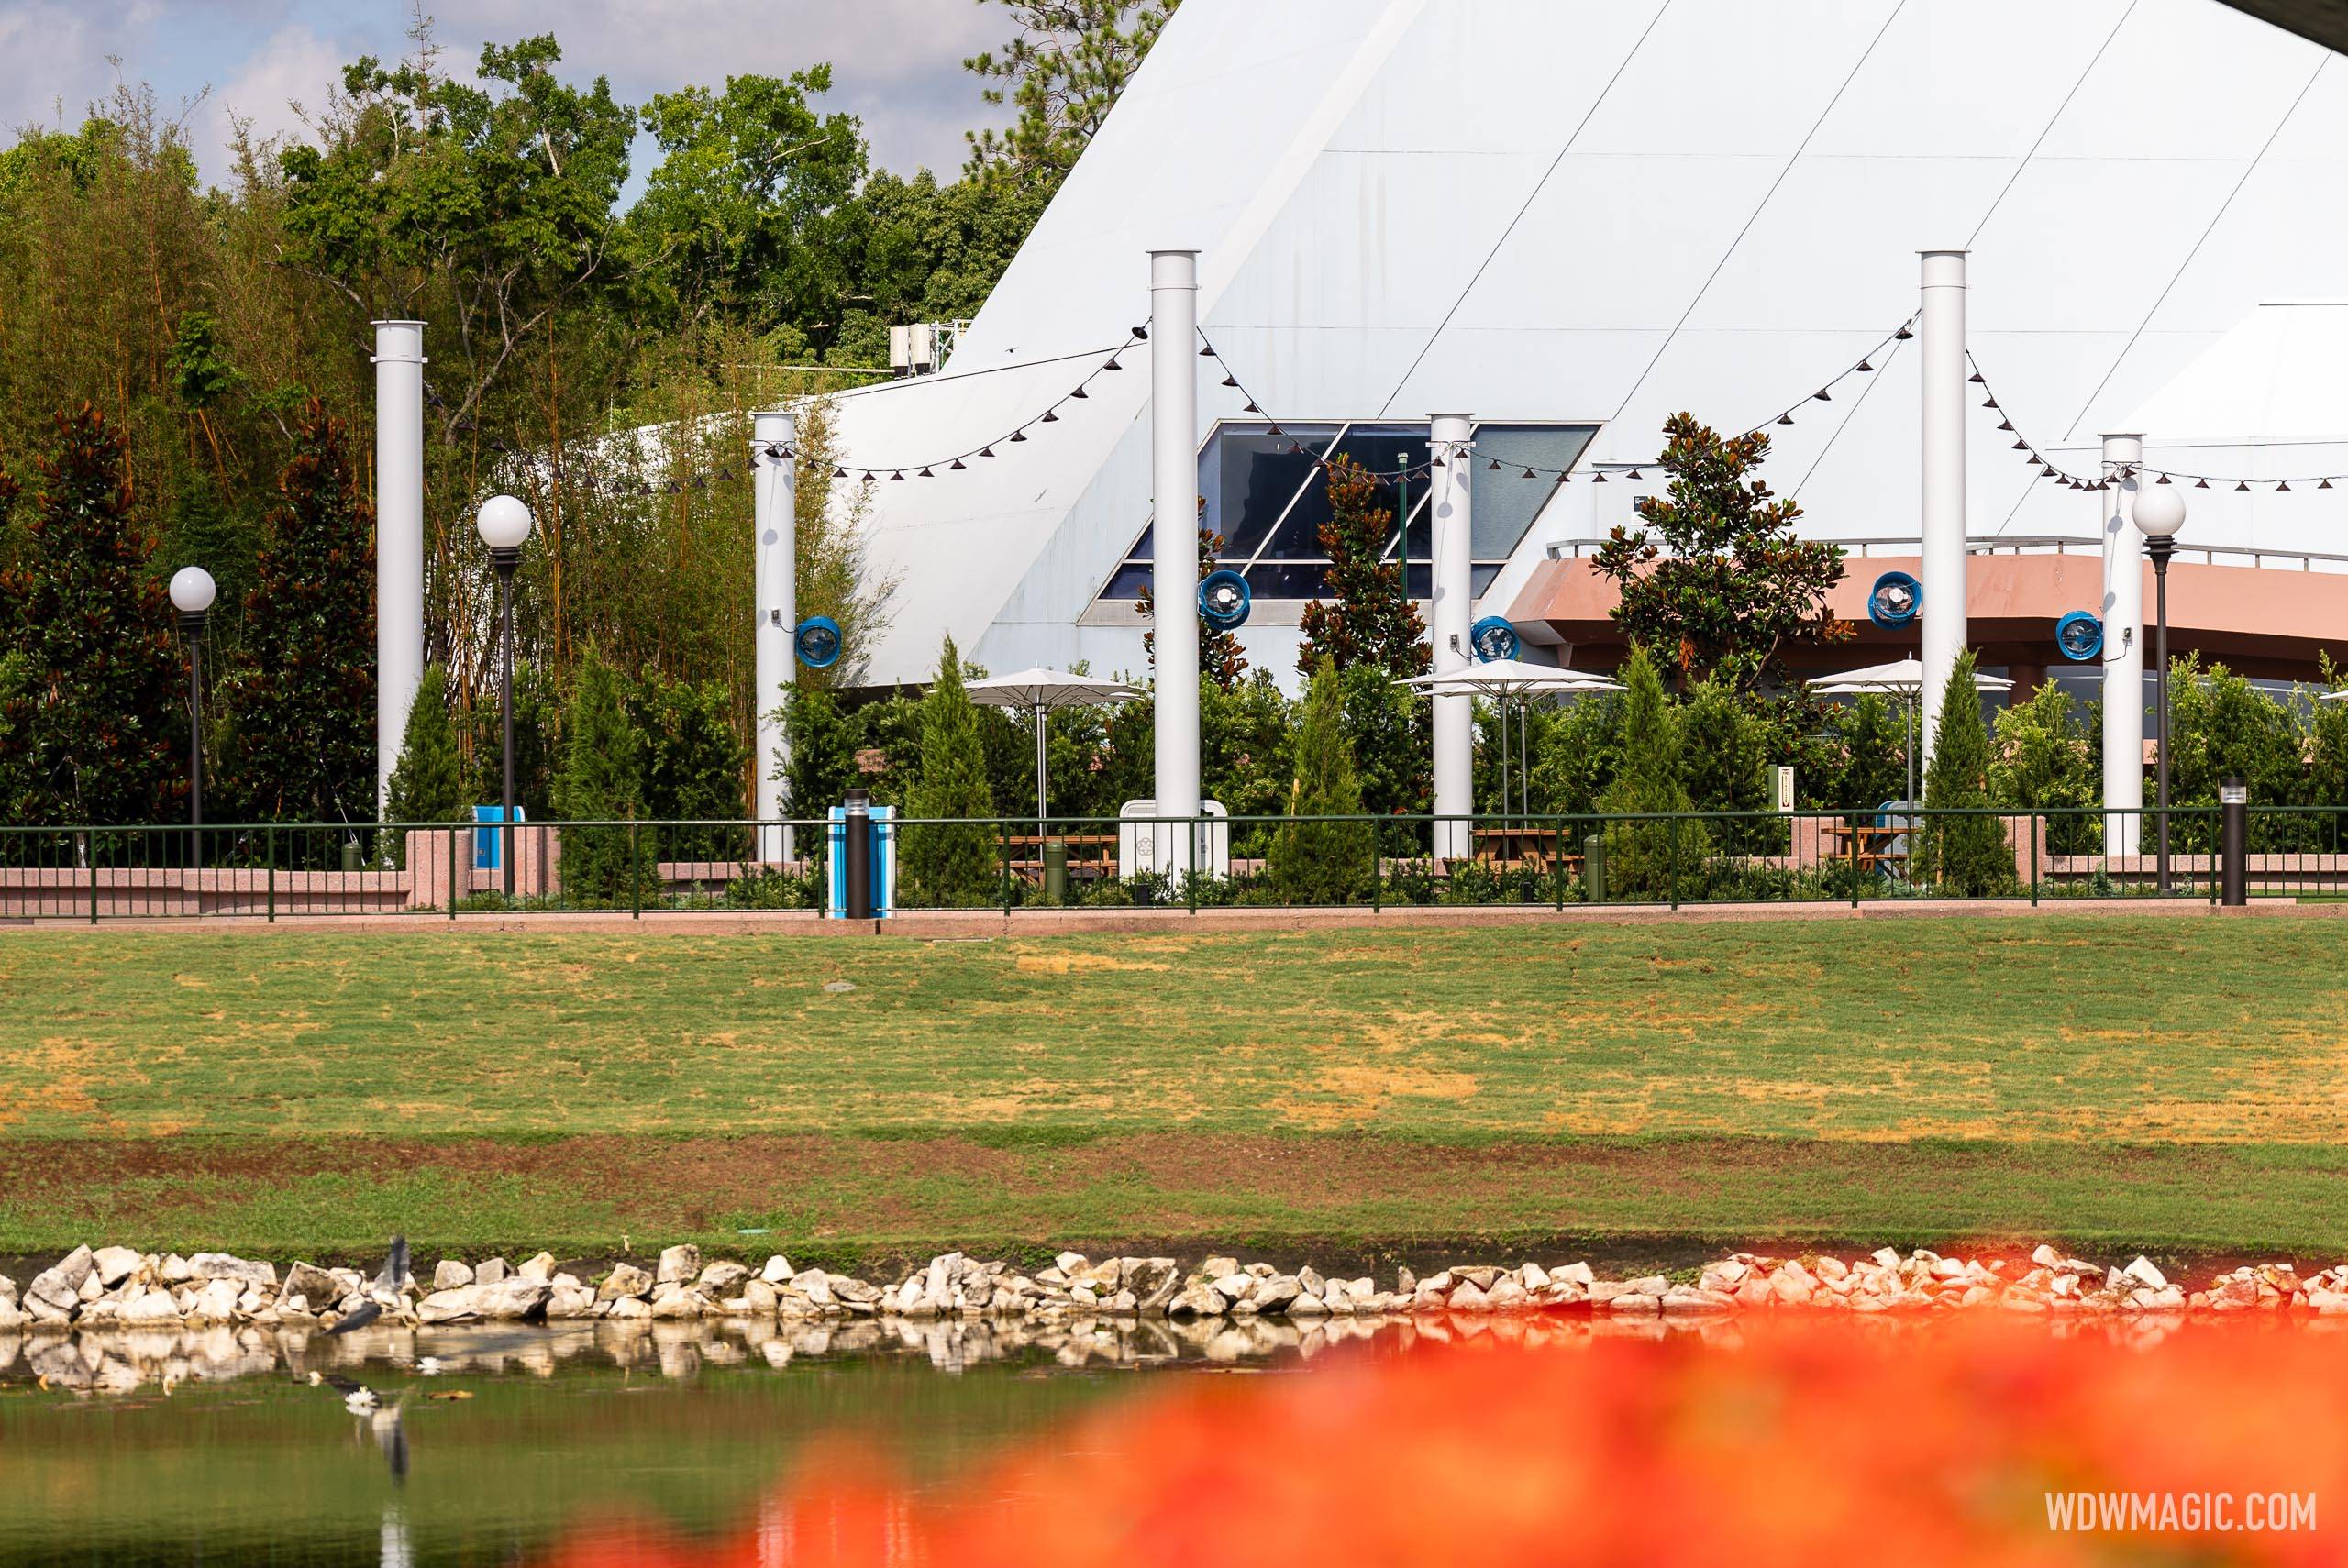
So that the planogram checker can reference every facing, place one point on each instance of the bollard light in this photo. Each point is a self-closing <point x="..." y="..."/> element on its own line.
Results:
<point x="192" y="591"/>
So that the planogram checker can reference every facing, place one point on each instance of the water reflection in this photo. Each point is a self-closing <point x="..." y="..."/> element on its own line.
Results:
<point x="484" y="1445"/>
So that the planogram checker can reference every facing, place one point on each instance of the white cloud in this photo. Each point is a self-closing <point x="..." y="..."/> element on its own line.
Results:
<point x="293" y="66"/>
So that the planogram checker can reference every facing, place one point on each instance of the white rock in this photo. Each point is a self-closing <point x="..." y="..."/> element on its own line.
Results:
<point x="491" y="1271"/>
<point x="540" y="1268"/>
<point x="114" y="1265"/>
<point x="677" y="1264"/>
<point x="2045" y="1257"/>
<point x="452" y="1274"/>
<point x="449" y="1306"/>
<point x="722" y="1278"/>
<point x="2142" y="1270"/>
<point x="777" y="1270"/>
<point x="224" y="1265"/>
<point x="626" y="1282"/>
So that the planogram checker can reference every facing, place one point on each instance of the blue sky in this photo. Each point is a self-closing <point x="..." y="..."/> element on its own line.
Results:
<point x="896" y="63"/>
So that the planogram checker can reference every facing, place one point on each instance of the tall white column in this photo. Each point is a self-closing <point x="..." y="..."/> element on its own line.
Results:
<point x="1942" y="330"/>
<point x="1450" y="508"/>
<point x="1174" y="569"/>
<point x="2124" y="647"/>
<point x="399" y="539"/>
<point x="774" y="509"/>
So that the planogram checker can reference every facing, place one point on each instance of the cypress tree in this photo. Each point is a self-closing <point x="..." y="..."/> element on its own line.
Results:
<point x="1725" y="751"/>
<point x="694" y="765"/>
<point x="1647" y="859"/>
<point x="601" y="780"/>
<point x="821" y="770"/>
<point x="303" y="689"/>
<point x="950" y="865"/>
<point x="98" y="714"/>
<point x="429" y="785"/>
<point x="1322" y="862"/>
<point x="1965" y="856"/>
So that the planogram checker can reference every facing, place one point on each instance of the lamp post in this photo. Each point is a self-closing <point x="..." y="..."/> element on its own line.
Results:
<point x="505" y="525"/>
<point x="2159" y="513"/>
<point x="192" y="594"/>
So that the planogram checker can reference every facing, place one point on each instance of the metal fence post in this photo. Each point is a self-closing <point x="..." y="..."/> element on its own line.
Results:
<point x="1191" y="881"/>
<point x="1377" y="892"/>
<point x="635" y="875"/>
<point x="2034" y="859"/>
<point x="456" y="846"/>
<point x="93" y="876"/>
<point x="1851" y="832"/>
<point x="269" y="854"/>
<point x="1557" y="868"/>
<point x="1003" y="847"/>
<point x="1674" y="862"/>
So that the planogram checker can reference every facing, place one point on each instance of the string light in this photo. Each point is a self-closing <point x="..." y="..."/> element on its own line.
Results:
<point x="2241" y="484"/>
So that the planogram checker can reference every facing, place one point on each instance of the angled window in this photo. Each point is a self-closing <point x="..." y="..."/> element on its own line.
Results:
<point x="1269" y="500"/>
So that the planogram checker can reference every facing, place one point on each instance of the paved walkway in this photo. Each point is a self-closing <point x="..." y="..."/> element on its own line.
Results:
<point x="969" y="924"/>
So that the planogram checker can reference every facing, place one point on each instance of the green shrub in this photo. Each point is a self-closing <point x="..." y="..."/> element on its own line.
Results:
<point x="952" y="866"/>
<point x="1322" y="862"/>
<point x="1962" y="855"/>
<point x="1645" y="859"/>
<point x="601" y="780"/>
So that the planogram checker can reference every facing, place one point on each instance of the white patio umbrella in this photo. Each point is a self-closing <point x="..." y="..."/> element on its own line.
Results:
<point x="1901" y="678"/>
<point x="1502" y="678"/>
<point x="1043" y="692"/>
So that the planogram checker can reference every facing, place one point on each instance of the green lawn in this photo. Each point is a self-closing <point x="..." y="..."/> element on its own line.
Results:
<point x="2163" y="1081"/>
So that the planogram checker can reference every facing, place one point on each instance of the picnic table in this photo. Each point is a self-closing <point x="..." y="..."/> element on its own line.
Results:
<point x="1090" y="855"/>
<point x="1509" y="848"/>
<point x="1881" y="845"/>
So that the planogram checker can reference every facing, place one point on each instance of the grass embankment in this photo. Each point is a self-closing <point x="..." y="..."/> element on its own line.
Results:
<point x="2147" y="1082"/>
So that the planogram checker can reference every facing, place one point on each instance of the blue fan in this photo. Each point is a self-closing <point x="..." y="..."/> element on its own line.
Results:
<point x="1894" y="600"/>
<point x="2079" y="635"/>
<point x="1492" y="638"/>
<point x="1224" y="599"/>
<point x="818" y="642"/>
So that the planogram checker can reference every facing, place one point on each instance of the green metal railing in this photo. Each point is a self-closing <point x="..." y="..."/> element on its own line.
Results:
<point x="281" y="871"/>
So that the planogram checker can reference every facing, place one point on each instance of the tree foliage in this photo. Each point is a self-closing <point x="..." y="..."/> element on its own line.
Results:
<point x="602" y="781"/>
<point x="1717" y="579"/>
<point x="427" y="784"/>
<point x="1062" y="73"/>
<point x="303" y="686"/>
<point x="97" y="714"/>
<point x="1371" y="620"/>
<point x="1967" y="856"/>
<point x="1319" y="862"/>
<point x="1648" y="858"/>
<point x="950" y="865"/>
<point x="694" y="767"/>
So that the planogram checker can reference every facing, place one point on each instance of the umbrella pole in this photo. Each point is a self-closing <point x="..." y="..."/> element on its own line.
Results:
<point x="1039" y="781"/>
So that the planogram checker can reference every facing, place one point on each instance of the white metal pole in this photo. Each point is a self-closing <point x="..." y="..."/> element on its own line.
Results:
<point x="1450" y="506"/>
<point x="399" y="539"/>
<point x="1942" y="329"/>
<point x="1174" y="570"/>
<point x="2124" y="649"/>
<point x="774" y="506"/>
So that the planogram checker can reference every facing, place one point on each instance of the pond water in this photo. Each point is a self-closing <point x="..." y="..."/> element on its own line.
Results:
<point x="913" y="1443"/>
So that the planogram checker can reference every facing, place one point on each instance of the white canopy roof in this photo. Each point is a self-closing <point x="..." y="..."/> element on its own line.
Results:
<point x="1049" y="688"/>
<point x="1511" y="677"/>
<point x="1902" y="676"/>
<point x="2276" y="376"/>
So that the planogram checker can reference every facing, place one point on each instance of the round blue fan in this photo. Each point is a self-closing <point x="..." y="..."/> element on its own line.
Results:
<point x="1225" y="600"/>
<point x="1492" y="638"/>
<point x="818" y="642"/>
<point x="2079" y="635"/>
<point x="1894" y="600"/>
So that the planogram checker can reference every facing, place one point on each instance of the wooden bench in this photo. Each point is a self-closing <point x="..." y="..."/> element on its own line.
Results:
<point x="1876" y="844"/>
<point x="1513" y="848"/>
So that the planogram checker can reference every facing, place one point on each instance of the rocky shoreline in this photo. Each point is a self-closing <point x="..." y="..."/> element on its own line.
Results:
<point x="120" y="1287"/>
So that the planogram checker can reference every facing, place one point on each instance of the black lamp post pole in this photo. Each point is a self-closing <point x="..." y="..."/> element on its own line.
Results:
<point x="2160" y="547"/>
<point x="192" y="625"/>
<point x="506" y="559"/>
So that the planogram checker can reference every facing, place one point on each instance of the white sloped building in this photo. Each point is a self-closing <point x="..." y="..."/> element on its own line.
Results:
<point x="1572" y="218"/>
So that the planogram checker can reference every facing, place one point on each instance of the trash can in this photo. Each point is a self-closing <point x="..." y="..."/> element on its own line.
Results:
<point x="350" y="854"/>
<point x="1055" y="870"/>
<point x="1593" y="869"/>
